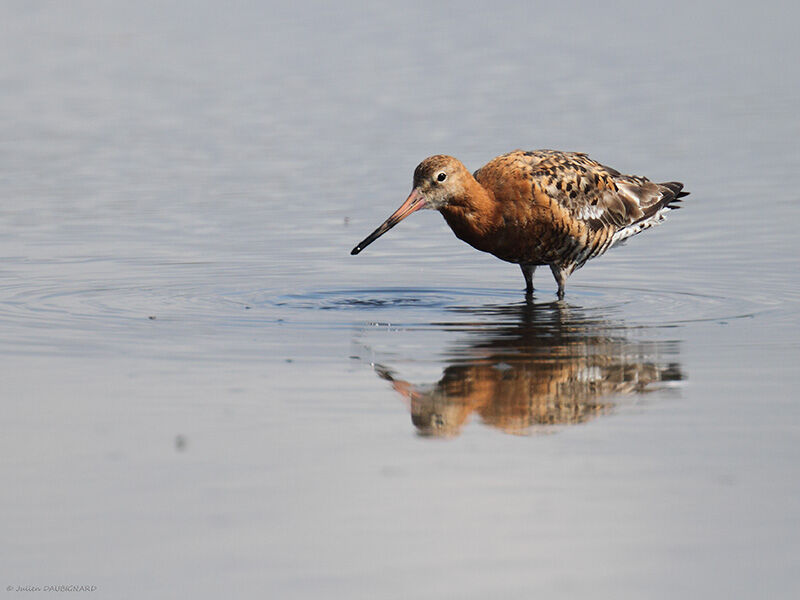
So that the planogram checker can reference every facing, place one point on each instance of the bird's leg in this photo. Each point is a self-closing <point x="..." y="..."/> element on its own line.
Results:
<point x="527" y="272"/>
<point x="561" y="279"/>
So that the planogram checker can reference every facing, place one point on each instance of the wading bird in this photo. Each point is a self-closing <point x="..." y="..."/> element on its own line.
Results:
<point x="543" y="207"/>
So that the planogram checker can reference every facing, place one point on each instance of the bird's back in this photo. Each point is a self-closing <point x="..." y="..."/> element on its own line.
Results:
<point x="577" y="207"/>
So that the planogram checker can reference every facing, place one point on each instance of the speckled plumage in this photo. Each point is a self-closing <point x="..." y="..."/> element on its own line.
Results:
<point x="542" y="207"/>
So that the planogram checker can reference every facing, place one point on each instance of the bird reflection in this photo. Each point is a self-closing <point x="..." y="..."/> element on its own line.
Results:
<point x="533" y="366"/>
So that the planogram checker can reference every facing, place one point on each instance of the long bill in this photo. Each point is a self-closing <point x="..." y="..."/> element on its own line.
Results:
<point x="413" y="203"/>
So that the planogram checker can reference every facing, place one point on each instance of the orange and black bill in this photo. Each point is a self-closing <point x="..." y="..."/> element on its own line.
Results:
<point x="413" y="203"/>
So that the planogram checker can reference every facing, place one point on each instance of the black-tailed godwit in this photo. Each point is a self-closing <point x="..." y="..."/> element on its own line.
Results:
<point x="543" y="207"/>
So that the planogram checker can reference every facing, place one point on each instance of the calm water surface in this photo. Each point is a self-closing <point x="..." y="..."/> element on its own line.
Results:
<point x="205" y="394"/>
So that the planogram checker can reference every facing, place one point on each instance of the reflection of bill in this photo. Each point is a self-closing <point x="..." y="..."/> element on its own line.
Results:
<point x="552" y="369"/>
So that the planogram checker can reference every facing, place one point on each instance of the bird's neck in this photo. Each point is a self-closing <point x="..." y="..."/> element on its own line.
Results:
<point x="473" y="214"/>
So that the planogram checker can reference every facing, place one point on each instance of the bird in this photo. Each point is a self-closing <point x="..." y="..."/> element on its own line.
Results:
<point x="536" y="208"/>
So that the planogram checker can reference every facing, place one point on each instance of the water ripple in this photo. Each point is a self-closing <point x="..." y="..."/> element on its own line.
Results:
<point x="639" y="306"/>
<point x="107" y="305"/>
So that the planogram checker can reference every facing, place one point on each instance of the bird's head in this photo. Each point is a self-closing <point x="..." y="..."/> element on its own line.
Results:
<point x="438" y="180"/>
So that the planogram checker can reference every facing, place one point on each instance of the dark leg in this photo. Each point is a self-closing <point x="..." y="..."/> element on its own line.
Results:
<point x="527" y="272"/>
<point x="561" y="279"/>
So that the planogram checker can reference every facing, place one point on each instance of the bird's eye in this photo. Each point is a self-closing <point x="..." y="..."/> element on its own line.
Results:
<point x="441" y="176"/>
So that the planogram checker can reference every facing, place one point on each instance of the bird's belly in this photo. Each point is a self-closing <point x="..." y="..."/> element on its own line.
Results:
<point x="534" y="244"/>
<point x="525" y="247"/>
<point x="518" y="239"/>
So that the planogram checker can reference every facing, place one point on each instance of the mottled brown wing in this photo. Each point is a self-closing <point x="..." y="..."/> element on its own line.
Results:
<point x="598" y="196"/>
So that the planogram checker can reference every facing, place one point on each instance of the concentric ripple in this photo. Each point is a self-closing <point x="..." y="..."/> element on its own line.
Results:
<point x="639" y="307"/>
<point x="93" y="304"/>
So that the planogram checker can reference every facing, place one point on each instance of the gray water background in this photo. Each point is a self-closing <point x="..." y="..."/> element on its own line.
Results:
<point x="205" y="395"/>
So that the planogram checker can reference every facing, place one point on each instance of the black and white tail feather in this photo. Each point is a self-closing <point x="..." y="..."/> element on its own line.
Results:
<point x="654" y="210"/>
